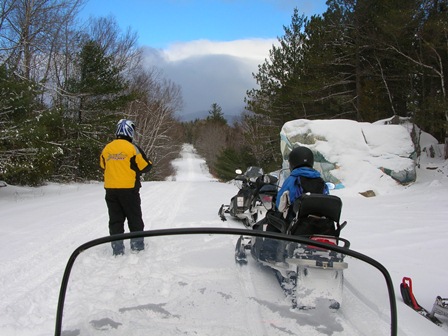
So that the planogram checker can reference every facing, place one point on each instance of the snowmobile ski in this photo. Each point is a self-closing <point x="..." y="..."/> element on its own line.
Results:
<point x="242" y="245"/>
<point x="222" y="210"/>
<point x="440" y="306"/>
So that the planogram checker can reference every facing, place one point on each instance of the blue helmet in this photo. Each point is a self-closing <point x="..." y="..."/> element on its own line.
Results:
<point x="125" y="128"/>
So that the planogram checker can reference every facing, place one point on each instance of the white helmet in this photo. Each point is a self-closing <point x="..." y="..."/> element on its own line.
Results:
<point x="125" y="128"/>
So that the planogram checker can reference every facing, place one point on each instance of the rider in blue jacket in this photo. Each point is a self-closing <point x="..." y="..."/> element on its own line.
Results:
<point x="303" y="179"/>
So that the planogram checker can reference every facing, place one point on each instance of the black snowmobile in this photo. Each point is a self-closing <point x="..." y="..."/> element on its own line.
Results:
<point x="310" y="276"/>
<point x="254" y="198"/>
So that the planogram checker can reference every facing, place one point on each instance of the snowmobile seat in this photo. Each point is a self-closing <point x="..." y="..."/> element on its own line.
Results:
<point x="317" y="214"/>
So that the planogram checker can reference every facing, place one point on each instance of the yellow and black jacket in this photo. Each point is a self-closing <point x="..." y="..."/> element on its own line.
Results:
<point x="123" y="163"/>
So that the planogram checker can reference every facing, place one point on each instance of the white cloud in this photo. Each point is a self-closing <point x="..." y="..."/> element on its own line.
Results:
<point x="211" y="72"/>
<point x="254" y="49"/>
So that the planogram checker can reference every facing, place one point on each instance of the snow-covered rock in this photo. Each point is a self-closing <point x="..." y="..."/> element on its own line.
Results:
<point x="380" y="149"/>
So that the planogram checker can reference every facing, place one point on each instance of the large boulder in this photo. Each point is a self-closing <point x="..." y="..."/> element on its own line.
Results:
<point x="381" y="150"/>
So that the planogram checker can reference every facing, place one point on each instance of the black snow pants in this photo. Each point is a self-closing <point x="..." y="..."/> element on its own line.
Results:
<point x="125" y="204"/>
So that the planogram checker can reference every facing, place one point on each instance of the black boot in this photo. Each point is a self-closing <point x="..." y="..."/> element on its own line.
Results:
<point x="137" y="244"/>
<point x="117" y="247"/>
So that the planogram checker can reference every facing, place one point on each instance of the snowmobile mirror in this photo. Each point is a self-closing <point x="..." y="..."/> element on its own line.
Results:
<point x="238" y="171"/>
<point x="270" y="179"/>
<point x="223" y="281"/>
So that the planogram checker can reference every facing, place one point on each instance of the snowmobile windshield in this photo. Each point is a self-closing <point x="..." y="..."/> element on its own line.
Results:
<point x="210" y="281"/>
<point x="253" y="172"/>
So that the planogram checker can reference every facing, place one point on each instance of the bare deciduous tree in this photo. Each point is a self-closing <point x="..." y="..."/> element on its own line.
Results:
<point x="154" y="113"/>
<point x="258" y="131"/>
<point x="30" y="33"/>
<point x="123" y="47"/>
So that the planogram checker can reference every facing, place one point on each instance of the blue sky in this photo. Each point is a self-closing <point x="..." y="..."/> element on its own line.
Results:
<point x="209" y="47"/>
<point x="163" y="22"/>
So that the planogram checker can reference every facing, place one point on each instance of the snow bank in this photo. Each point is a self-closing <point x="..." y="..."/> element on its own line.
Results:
<point x="379" y="151"/>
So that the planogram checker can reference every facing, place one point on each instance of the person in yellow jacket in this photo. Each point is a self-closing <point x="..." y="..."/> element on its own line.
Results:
<point x="123" y="163"/>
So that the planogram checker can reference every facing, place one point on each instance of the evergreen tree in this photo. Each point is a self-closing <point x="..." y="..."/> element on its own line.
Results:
<point x="27" y="150"/>
<point x="230" y="159"/>
<point x="99" y="95"/>
<point x="362" y="59"/>
<point x="216" y="114"/>
<point x="99" y="88"/>
<point x="279" y="78"/>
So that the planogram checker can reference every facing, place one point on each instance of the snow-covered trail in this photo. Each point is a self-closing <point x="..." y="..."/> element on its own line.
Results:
<point x="40" y="227"/>
<point x="184" y="200"/>
<point x="51" y="221"/>
<point x="34" y="249"/>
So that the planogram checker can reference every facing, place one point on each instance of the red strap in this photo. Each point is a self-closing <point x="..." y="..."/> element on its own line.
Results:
<point x="324" y="240"/>
<point x="407" y="282"/>
<point x="321" y="240"/>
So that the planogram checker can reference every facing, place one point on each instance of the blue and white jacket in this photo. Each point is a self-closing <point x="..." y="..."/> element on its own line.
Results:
<point x="293" y="186"/>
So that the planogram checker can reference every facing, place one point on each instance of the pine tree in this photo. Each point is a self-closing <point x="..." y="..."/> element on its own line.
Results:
<point x="99" y="93"/>
<point x="280" y="90"/>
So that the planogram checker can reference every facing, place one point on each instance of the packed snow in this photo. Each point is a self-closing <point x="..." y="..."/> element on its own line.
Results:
<point x="403" y="227"/>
